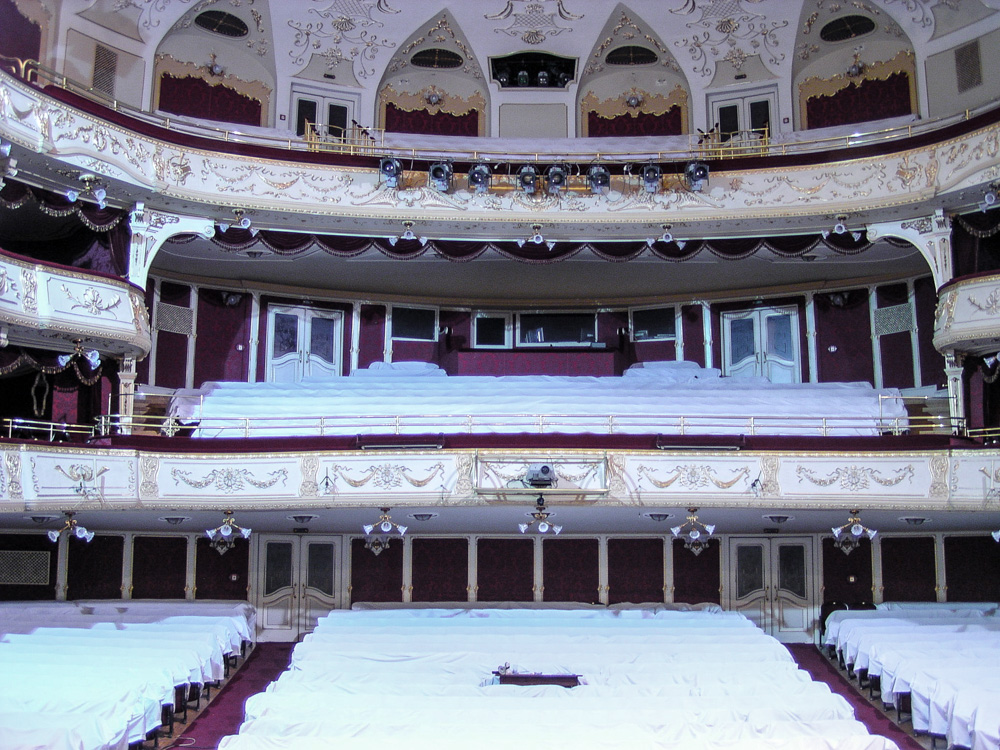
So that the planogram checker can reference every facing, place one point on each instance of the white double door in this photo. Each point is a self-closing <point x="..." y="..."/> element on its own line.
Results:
<point x="762" y="341"/>
<point x="303" y="341"/>
<point x="298" y="581"/>
<point x="772" y="581"/>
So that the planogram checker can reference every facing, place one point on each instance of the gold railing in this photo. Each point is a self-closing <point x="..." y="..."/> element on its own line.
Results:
<point x="16" y="428"/>
<point x="366" y="140"/>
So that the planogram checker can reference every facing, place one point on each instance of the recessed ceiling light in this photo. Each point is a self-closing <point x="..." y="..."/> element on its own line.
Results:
<point x="41" y="518"/>
<point x="422" y="516"/>
<point x="914" y="520"/>
<point x="778" y="518"/>
<point x="302" y="518"/>
<point x="174" y="520"/>
<point x="658" y="517"/>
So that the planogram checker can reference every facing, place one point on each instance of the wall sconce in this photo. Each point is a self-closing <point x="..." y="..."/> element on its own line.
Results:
<point x="989" y="198"/>
<point x="848" y="535"/>
<point x="72" y="528"/>
<point x="213" y="68"/>
<point x="634" y="100"/>
<point x="433" y="97"/>
<point x="408" y="234"/>
<point x="857" y="68"/>
<point x="536" y="237"/>
<point x="239" y="221"/>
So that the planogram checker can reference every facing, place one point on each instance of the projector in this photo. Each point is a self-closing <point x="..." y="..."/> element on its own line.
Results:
<point x="540" y="475"/>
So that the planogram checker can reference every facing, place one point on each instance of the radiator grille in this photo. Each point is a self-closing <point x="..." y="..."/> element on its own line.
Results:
<point x="174" y="319"/>
<point x="895" y="319"/>
<point x="24" y="568"/>
<point x="968" y="66"/>
<point x="105" y="70"/>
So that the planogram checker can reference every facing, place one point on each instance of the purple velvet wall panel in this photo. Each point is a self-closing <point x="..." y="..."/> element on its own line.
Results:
<point x="670" y="122"/>
<point x="171" y="359"/>
<point x="159" y="567"/>
<point x="635" y="570"/>
<point x="372" y="340"/>
<point x="214" y="573"/>
<point x="95" y="567"/>
<point x="19" y="37"/>
<point x="192" y="96"/>
<point x="440" y="570"/>
<point x="871" y="99"/>
<point x="376" y="578"/>
<point x="846" y="326"/>
<point x="221" y="328"/>
<point x="896" y="348"/>
<point x="414" y="351"/>
<point x="931" y="360"/>
<point x="570" y="570"/>
<point x="458" y="324"/>
<point x="908" y="573"/>
<point x="655" y="351"/>
<point x="838" y="569"/>
<point x="30" y="543"/>
<point x="694" y="333"/>
<point x="523" y="362"/>
<point x="175" y="294"/>
<point x="972" y="568"/>
<point x="399" y="120"/>
<point x="697" y="578"/>
<point x="505" y="570"/>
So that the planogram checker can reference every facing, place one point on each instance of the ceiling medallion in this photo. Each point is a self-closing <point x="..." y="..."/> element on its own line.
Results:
<point x="532" y="23"/>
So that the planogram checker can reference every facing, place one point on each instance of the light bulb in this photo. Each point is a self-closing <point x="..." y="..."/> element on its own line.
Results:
<point x="694" y="534"/>
<point x="557" y="529"/>
<point x="871" y="533"/>
<point x="857" y="529"/>
<point x="245" y="532"/>
<point x="543" y="526"/>
<point x="100" y="193"/>
<point x="53" y="536"/>
<point x="367" y="528"/>
<point x="401" y="530"/>
<point x="210" y="533"/>
<point x="89" y="536"/>
<point x="710" y="529"/>
<point x="385" y="526"/>
<point x="80" y="532"/>
<point x="675" y="530"/>
<point x="836" y="532"/>
<point x="226" y="530"/>
<point x="522" y="526"/>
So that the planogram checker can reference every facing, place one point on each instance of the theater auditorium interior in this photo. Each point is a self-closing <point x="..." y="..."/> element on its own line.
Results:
<point x="422" y="373"/>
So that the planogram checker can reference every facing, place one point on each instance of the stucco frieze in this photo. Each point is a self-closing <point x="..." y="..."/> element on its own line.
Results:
<point x="968" y="316"/>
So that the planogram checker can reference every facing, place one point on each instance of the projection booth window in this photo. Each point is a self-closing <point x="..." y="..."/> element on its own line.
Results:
<point x="556" y="329"/>
<point x="414" y="323"/>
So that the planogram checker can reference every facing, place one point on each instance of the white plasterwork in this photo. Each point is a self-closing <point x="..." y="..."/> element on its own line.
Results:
<point x="968" y="316"/>
<point x="243" y="478"/>
<point x="849" y="477"/>
<point x="80" y="479"/>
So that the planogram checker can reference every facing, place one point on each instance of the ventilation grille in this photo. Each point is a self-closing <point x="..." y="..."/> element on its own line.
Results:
<point x="174" y="319"/>
<point x="21" y="568"/>
<point x="968" y="66"/>
<point x="895" y="319"/>
<point x="105" y="70"/>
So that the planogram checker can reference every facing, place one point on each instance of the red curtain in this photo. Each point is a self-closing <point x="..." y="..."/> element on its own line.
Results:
<point x="972" y="567"/>
<point x="641" y="123"/>
<point x="430" y="123"/>
<point x="570" y="570"/>
<point x="697" y="578"/>
<point x="635" y="570"/>
<point x="908" y="572"/>
<point x="95" y="568"/>
<point x="190" y="96"/>
<point x="440" y="570"/>
<point x="869" y="100"/>
<point x="376" y="578"/>
<point x="505" y="570"/>
<point x="159" y="567"/>
<point x="839" y="569"/>
<point x="213" y="573"/>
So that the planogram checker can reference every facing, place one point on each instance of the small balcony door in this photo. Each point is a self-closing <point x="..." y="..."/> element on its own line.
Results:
<point x="762" y="341"/>
<point x="772" y="582"/>
<point x="303" y="342"/>
<point x="299" y="582"/>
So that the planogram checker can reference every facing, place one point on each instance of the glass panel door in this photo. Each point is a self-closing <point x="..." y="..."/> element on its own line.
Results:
<point x="303" y="341"/>
<point x="762" y="341"/>
<point x="298" y="582"/>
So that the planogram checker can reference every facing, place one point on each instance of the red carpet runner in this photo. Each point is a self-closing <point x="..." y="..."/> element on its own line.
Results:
<point x="225" y="713"/>
<point x="813" y="662"/>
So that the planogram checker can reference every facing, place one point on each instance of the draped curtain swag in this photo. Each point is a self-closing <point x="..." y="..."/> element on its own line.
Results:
<point x="288" y="244"/>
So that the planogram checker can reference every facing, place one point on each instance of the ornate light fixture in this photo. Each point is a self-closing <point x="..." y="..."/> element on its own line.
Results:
<point x="384" y="525"/>
<point x="697" y="534"/>
<point x="92" y="188"/>
<point x="996" y="536"/>
<point x="857" y="68"/>
<point x="72" y="528"/>
<point x="212" y="67"/>
<point x="849" y="535"/>
<point x="223" y="536"/>
<point x="540" y="516"/>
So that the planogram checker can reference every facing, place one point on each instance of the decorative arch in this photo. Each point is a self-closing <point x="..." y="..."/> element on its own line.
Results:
<point x="629" y="100"/>
<point x="447" y="101"/>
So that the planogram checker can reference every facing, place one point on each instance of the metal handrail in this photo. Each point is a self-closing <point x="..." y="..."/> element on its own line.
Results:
<point x="37" y="429"/>
<point x="369" y="140"/>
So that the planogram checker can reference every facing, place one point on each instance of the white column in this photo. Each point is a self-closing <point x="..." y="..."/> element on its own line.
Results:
<point x="602" y="569"/>
<point x="192" y="340"/>
<point x="911" y="297"/>
<point x="407" y="568"/>
<point x="876" y="349"/>
<point x="706" y="326"/>
<point x="126" y="394"/>
<point x="811" y="337"/>
<point x="192" y="556"/>
<point x="254" y="337"/>
<point x="953" y="367"/>
<point x="473" y="567"/>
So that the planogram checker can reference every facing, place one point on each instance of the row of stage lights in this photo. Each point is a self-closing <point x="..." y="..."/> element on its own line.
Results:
<point x="531" y="178"/>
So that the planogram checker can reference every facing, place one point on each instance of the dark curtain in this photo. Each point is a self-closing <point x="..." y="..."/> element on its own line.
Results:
<point x="214" y="573"/>
<point x="972" y="568"/>
<point x="931" y="360"/>
<point x="159" y="567"/>
<point x="430" y="123"/>
<point x="505" y="570"/>
<point x="19" y="37"/>
<point x="635" y="570"/>
<point x="190" y="96"/>
<point x="870" y="100"/>
<point x="570" y="570"/>
<point x="908" y="573"/>
<point x="975" y="243"/>
<point x="95" y="567"/>
<point x="697" y="578"/>
<point x="839" y="569"/>
<point x="376" y="578"/>
<point x="32" y="543"/>
<point x="440" y="570"/>
<point x="640" y="123"/>
<point x="371" y="342"/>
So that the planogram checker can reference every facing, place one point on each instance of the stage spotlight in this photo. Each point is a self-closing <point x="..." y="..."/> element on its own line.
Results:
<point x="599" y="179"/>
<point x="989" y="199"/>
<point x="479" y="178"/>
<point x="440" y="176"/>
<point x="696" y="174"/>
<point x="556" y="177"/>
<point x="391" y="170"/>
<point x="651" y="178"/>
<point x="527" y="179"/>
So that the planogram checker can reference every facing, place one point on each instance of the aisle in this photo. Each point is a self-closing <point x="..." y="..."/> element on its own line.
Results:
<point x="225" y="713"/>
<point x="821" y="669"/>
